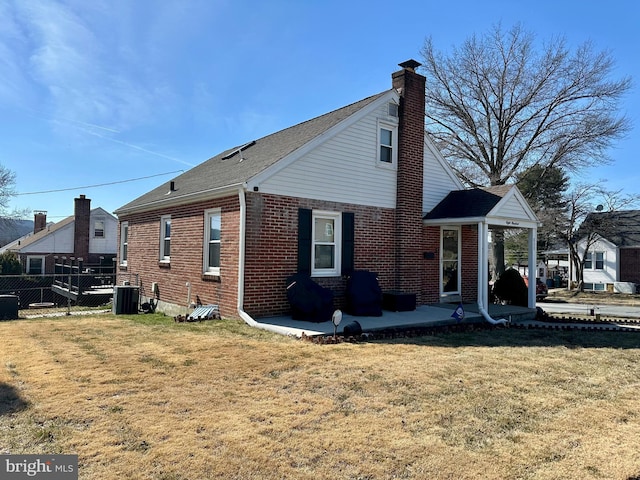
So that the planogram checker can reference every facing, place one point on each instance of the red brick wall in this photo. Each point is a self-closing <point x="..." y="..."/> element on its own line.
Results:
<point x="430" y="291"/>
<point x="469" y="263"/>
<point x="409" y="180"/>
<point x="629" y="265"/>
<point x="187" y="237"/>
<point x="82" y="212"/>
<point x="272" y="249"/>
<point x="271" y="253"/>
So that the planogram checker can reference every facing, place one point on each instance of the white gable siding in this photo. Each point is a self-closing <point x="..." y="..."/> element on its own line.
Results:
<point x="609" y="273"/>
<point x="108" y="243"/>
<point x="59" y="241"/>
<point x="342" y="169"/>
<point x="513" y="209"/>
<point x="439" y="179"/>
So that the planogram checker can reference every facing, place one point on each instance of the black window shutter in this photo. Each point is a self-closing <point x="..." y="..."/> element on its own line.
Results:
<point x="304" y="241"/>
<point x="348" y="242"/>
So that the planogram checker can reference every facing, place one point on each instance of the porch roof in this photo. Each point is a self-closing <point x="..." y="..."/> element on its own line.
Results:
<point x="502" y="205"/>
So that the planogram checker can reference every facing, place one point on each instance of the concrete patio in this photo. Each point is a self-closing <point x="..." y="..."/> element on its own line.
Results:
<point x="422" y="316"/>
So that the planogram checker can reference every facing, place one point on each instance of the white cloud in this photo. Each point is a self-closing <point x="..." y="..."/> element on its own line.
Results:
<point x="13" y="45"/>
<point x="78" y="57"/>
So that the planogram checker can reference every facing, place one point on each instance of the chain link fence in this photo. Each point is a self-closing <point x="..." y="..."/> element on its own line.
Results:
<point x="68" y="291"/>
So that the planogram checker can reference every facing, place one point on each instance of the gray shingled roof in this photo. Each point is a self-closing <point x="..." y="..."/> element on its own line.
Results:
<point x="622" y="228"/>
<point x="472" y="203"/>
<point x="218" y="172"/>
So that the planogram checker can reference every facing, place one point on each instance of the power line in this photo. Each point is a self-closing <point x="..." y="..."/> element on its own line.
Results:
<point x="99" y="184"/>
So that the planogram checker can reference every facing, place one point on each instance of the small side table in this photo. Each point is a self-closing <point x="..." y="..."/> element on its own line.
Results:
<point x="398" y="301"/>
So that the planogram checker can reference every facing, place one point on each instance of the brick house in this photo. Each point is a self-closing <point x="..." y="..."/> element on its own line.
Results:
<point x="89" y="234"/>
<point x="359" y="188"/>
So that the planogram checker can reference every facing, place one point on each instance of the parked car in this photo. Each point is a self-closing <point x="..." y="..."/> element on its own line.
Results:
<point x="541" y="289"/>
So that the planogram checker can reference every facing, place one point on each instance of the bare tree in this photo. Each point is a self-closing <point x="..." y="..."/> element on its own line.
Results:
<point x="545" y="189"/>
<point x="498" y="105"/>
<point x="7" y="191"/>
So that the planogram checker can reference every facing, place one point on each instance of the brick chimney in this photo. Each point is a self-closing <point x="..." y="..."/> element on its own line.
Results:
<point x="82" y="227"/>
<point x="411" y="131"/>
<point x="39" y="221"/>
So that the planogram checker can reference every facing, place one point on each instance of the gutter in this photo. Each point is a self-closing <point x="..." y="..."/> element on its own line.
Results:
<point x="487" y="317"/>
<point x="173" y="200"/>
<point x="241" y="267"/>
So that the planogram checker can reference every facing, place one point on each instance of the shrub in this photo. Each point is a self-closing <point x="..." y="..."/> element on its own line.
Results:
<point x="10" y="264"/>
<point x="511" y="289"/>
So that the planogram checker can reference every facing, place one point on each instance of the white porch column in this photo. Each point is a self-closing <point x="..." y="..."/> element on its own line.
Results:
<point x="483" y="264"/>
<point x="533" y="266"/>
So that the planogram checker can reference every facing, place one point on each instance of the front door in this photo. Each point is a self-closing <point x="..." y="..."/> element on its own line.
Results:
<point x="450" y="262"/>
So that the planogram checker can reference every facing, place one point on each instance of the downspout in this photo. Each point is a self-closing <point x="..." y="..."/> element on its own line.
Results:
<point x="483" y="275"/>
<point x="241" y="265"/>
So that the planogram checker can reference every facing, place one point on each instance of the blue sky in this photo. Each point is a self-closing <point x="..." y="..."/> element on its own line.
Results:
<point x="103" y="92"/>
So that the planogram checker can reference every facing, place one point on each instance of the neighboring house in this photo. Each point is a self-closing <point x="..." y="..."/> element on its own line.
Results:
<point x="613" y="256"/>
<point x="541" y="271"/>
<point x="89" y="234"/>
<point x="359" y="188"/>
<point x="557" y="262"/>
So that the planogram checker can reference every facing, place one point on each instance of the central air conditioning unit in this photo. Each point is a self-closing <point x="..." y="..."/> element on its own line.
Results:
<point x="9" y="307"/>
<point x="125" y="299"/>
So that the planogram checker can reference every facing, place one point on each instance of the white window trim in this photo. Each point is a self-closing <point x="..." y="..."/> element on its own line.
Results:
<point x="595" y="260"/>
<point x="393" y="128"/>
<point x="124" y="226"/>
<point x="214" y="271"/>
<point x="104" y="228"/>
<point x="32" y="257"/>
<point x="337" y="235"/>
<point x="163" y="220"/>
<point x="592" y="257"/>
<point x="393" y="110"/>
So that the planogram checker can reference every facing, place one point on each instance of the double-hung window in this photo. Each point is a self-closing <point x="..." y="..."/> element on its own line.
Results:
<point x="35" y="265"/>
<point x="165" y="239"/>
<point x="599" y="260"/>
<point x="98" y="229"/>
<point x="325" y="251"/>
<point x="124" y="242"/>
<point x="387" y="144"/>
<point x="212" y="229"/>
<point x="588" y="261"/>
<point x="594" y="261"/>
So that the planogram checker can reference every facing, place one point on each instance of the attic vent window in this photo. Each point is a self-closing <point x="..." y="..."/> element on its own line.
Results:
<point x="393" y="110"/>
<point x="239" y="150"/>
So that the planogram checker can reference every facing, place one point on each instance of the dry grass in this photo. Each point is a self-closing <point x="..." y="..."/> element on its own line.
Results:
<point x="603" y="298"/>
<point x="145" y="398"/>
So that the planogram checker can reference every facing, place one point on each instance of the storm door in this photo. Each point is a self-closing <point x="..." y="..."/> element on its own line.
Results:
<point x="450" y="261"/>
